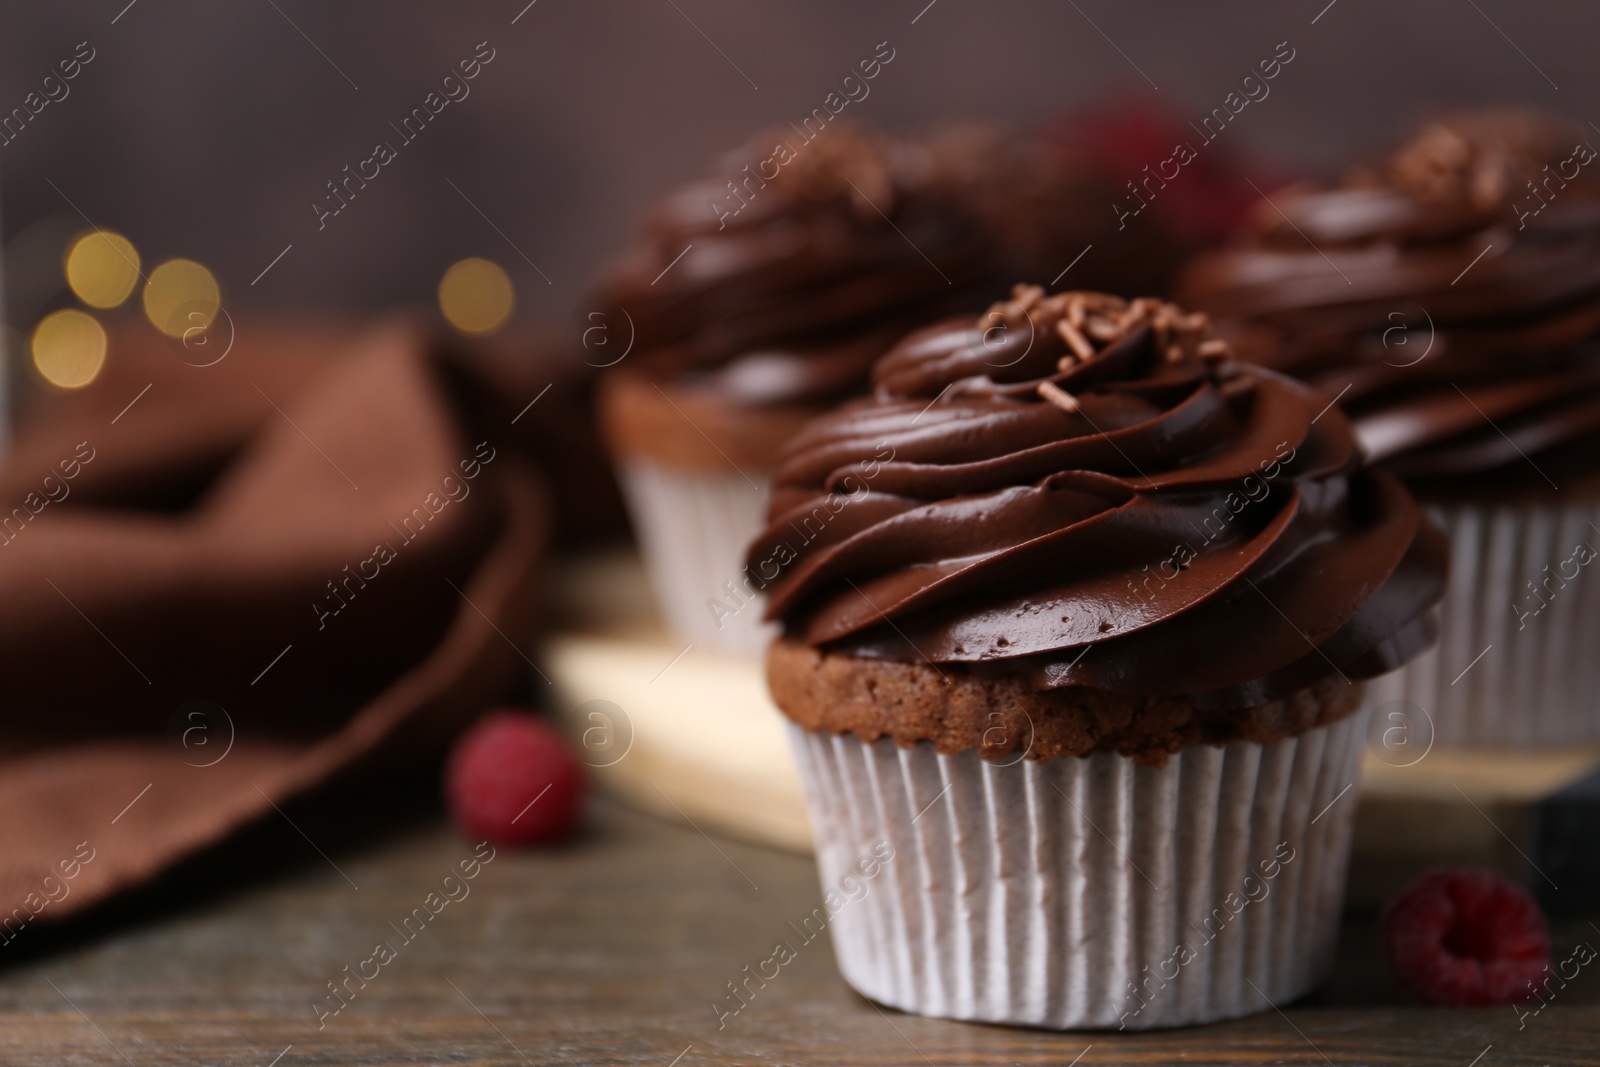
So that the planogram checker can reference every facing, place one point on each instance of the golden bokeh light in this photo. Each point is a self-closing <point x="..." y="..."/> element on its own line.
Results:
<point x="476" y="296"/>
<point x="181" y="295"/>
<point x="69" y="348"/>
<point x="102" y="268"/>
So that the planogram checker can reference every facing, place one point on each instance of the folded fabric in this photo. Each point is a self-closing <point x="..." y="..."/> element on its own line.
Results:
<point x="228" y="584"/>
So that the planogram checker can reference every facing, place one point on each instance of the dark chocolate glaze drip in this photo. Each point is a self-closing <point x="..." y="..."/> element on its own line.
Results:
<point x="1094" y="493"/>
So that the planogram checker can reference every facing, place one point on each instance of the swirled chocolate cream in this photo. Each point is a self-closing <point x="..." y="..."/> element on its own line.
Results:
<point x="1449" y="297"/>
<point x="1075" y="524"/>
<point x="761" y="294"/>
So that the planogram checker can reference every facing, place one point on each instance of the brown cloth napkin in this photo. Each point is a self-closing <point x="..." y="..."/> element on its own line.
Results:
<point x="320" y="538"/>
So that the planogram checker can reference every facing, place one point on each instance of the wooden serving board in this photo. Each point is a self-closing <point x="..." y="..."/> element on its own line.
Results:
<point x="691" y="735"/>
<point x="707" y="746"/>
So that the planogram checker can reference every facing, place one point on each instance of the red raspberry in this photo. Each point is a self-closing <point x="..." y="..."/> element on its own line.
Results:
<point x="1124" y="134"/>
<point x="513" y="780"/>
<point x="1466" y="937"/>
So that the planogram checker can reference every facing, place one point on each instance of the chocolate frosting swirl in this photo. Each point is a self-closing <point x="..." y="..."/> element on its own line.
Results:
<point x="806" y="259"/>
<point x="1091" y="492"/>
<point x="809" y="257"/>
<point x="1450" y="298"/>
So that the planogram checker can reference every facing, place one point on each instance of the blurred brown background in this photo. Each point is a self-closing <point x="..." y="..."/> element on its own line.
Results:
<point x="209" y="129"/>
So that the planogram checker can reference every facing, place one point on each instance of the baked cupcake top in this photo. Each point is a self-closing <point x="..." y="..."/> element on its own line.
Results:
<point x="1090" y="492"/>
<point x="1450" y="297"/>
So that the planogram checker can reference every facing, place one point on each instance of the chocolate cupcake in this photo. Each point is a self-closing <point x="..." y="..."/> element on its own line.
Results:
<point x="761" y="296"/>
<point x="1075" y="616"/>
<point x="1450" y="301"/>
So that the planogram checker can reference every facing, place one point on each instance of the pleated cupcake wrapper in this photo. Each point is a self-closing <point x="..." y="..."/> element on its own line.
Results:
<point x="694" y="528"/>
<point x="1058" y="893"/>
<point x="1538" y="678"/>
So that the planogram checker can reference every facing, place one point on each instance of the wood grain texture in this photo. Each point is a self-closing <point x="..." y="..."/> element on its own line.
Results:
<point x="611" y="950"/>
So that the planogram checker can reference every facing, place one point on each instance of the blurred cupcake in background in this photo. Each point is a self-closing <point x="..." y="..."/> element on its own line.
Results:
<point x="1075" y="618"/>
<point x="760" y="295"/>
<point x="1449" y="299"/>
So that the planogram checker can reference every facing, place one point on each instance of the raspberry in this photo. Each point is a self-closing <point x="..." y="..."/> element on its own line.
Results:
<point x="1466" y="937"/>
<point x="513" y="780"/>
<point x="1126" y="134"/>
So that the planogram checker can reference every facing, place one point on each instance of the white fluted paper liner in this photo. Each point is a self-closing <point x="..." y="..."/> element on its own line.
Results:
<point x="1538" y="677"/>
<point x="693" y="529"/>
<point x="1056" y="893"/>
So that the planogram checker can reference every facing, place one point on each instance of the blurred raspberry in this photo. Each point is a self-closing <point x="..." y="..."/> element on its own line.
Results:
<point x="1466" y="937"/>
<point x="1209" y="199"/>
<point x="512" y="780"/>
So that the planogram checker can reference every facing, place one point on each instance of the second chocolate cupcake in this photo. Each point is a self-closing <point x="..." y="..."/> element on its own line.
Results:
<point x="1449" y="299"/>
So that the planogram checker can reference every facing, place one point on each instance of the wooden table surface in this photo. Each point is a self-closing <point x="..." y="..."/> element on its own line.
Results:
<point x="608" y="950"/>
